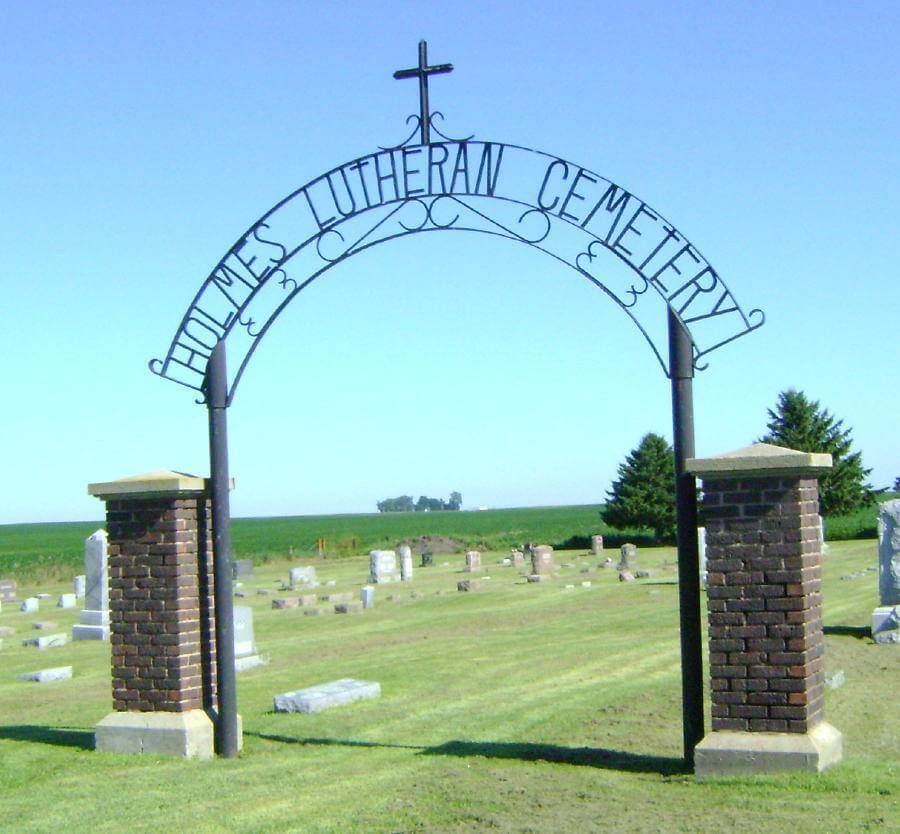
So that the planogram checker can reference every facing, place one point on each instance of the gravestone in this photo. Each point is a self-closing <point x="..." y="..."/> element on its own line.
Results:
<point x="886" y="618"/>
<point x="542" y="560"/>
<point x="245" y="656"/>
<point x="822" y="535"/>
<point x="79" y="585"/>
<point x="242" y="568"/>
<point x="518" y="558"/>
<point x="7" y="590"/>
<point x="382" y="566"/>
<point x="326" y="695"/>
<point x="628" y="556"/>
<point x="302" y="576"/>
<point x="60" y="673"/>
<point x="67" y="601"/>
<point x="406" y="565"/>
<point x="30" y="605"/>
<point x="473" y="561"/>
<point x="367" y="596"/>
<point x="701" y="550"/>
<point x="468" y="585"/>
<point x="596" y="545"/>
<point x="427" y="560"/>
<point x="93" y="623"/>
<point x="50" y="641"/>
<point x="348" y="608"/>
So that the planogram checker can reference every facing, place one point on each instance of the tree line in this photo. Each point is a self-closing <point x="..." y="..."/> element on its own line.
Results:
<point x="643" y="495"/>
<point x="405" y="504"/>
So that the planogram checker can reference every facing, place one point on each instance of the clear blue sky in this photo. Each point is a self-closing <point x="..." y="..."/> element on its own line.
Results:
<point x="139" y="140"/>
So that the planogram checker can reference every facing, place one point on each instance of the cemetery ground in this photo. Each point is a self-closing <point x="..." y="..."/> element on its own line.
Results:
<point x="515" y="708"/>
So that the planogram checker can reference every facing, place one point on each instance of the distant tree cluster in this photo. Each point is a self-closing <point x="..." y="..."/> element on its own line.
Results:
<point x="405" y="504"/>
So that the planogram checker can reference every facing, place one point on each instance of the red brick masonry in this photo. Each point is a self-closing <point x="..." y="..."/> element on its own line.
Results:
<point x="765" y="603"/>
<point x="160" y="597"/>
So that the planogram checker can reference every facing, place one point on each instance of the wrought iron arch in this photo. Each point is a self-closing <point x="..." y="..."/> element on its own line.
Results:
<point x="509" y="191"/>
<point x="555" y="206"/>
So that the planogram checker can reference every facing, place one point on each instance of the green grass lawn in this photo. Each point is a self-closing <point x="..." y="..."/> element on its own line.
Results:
<point x="519" y="708"/>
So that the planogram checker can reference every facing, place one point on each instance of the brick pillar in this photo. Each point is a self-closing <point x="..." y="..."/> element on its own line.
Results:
<point x="763" y="551"/>
<point x="161" y="615"/>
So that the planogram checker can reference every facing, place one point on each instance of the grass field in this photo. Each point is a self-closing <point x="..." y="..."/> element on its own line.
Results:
<point x="57" y="549"/>
<point x="519" y="708"/>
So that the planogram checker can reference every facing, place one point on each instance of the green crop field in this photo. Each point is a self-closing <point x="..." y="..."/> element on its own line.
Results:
<point x="516" y="708"/>
<point x="57" y="549"/>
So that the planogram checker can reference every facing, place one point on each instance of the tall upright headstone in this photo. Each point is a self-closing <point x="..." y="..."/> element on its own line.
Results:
<point x="766" y="641"/>
<point x="473" y="561"/>
<point x="886" y="617"/>
<point x="597" y="545"/>
<point x="542" y="560"/>
<point x="93" y="623"/>
<point x="701" y="551"/>
<point x="406" y="565"/>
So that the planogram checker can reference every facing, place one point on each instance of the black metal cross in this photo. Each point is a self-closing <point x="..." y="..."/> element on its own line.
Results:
<point x="422" y="72"/>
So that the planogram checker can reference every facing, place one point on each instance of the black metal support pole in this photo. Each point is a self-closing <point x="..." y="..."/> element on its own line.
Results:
<point x="227" y="741"/>
<point x="425" y="131"/>
<point x="681" y="372"/>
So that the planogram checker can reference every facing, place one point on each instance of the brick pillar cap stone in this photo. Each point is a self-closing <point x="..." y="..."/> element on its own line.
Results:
<point x="159" y="482"/>
<point x="759" y="460"/>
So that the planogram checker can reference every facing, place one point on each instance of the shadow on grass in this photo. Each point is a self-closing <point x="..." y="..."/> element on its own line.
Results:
<point x="58" y="736"/>
<point x="859" y="632"/>
<point x="522" y="751"/>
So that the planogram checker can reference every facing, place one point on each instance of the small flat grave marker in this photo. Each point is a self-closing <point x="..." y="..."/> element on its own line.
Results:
<point x="51" y="641"/>
<point x="60" y="673"/>
<point x="326" y="695"/>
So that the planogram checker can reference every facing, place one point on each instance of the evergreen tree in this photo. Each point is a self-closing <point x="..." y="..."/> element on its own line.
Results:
<point x="799" y="423"/>
<point x="644" y="494"/>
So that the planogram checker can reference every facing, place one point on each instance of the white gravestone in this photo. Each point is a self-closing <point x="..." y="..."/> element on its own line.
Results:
<point x="303" y="576"/>
<point x="406" y="565"/>
<point x="701" y="552"/>
<point x="382" y="566"/>
<point x="94" y="620"/>
<point x="67" y="601"/>
<point x="367" y="596"/>
<point x="326" y="695"/>
<point x="30" y="605"/>
<point x="886" y="618"/>
<point x="79" y="585"/>
<point x="822" y="535"/>
<point x="60" y="673"/>
<point x="245" y="656"/>
<point x="51" y="641"/>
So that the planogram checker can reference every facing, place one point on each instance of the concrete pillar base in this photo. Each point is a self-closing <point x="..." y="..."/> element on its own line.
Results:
<point x="187" y="734"/>
<point x="729" y="753"/>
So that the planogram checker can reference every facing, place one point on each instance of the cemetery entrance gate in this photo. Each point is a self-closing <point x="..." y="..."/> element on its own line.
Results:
<point x="609" y="236"/>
